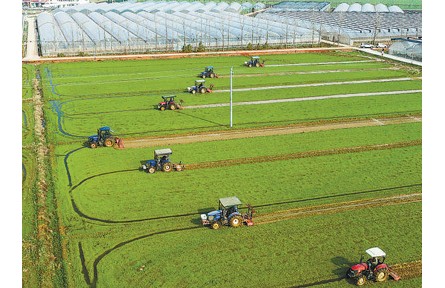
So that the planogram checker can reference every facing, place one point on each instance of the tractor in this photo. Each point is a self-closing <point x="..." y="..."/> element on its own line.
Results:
<point x="200" y="87"/>
<point x="161" y="162"/>
<point x="254" y="61"/>
<point x="103" y="138"/>
<point x="374" y="269"/>
<point x="208" y="73"/>
<point x="228" y="214"/>
<point x="169" y="103"/>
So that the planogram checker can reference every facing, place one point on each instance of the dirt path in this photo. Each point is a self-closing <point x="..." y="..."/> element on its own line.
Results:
<point x="260" y="132"/>
<point x="44" y="232"/>
<point x="336" y="208"/>
<point x="408" y="270"/>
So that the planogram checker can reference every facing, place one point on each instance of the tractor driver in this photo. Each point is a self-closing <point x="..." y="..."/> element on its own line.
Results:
<point x="372" y="263"/>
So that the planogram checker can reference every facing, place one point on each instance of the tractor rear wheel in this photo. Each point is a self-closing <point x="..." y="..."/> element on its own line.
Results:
<point x="172" y="106"/>
<point x="216" y="225"/>
<point x="236" y="221"/>
<point x="381" y="275"/>
<point x="108" y="143"/>
<point x="212" y="75"/>
<point x="93" y="145"/>
<point x="151" y="170"/>
<point x="257" y="64"/>
<point x="203" y="90"/>
<point x="361" y="280"/>
<point x="167" y="167"/>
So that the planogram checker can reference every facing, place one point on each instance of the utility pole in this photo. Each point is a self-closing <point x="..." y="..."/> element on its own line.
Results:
<point x="231" y="102"/>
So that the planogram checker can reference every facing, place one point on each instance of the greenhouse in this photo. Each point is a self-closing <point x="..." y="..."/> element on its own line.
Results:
<point x="407" y="48"/>
<point x="161" y="26"/>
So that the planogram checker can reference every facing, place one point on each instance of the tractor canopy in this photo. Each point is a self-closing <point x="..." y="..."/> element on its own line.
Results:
<point x="168" y="98"/>
<point x="105" y="128"/>
<point x="162" y="152"/>
<point x="255" y="57"/>
<point x="228" y="202"/>
<point x="200" y="81"/>
<point x="376" y="252"/>
<point x="208" y="69"/>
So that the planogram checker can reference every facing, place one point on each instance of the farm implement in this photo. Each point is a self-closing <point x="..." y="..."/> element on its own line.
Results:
<point x="374" y="269"/>
<point x="104" y="138"/>
<point x="169" y="103"/>
<point x="208" y="73"/>
<point x="200" y="87"/>
<point x="228" y="214"/>
<point x="161" y="162"/>
<point x="254" y="62"/>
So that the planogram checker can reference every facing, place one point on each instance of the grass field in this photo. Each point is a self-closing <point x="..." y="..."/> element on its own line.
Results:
<point x="121" y="227"/>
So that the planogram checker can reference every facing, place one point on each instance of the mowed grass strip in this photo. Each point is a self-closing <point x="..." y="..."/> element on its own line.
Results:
<point x="257" y="183"/>
<point x="153" y="122"/>
<point x="178" y="85"/>
<point x="81" y="168"/>
<point x="91" y="106"/>
<point x="281" y="254"/>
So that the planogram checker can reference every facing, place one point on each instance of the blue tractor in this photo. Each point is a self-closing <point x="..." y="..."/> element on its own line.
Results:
<point x="200" y="87"/>
<point x="161" y="162"/>
<point x="254" y="62"/>
<point x="208" y="73"/>
<point x="228" y="214"/>
<point x="103" y="138"/>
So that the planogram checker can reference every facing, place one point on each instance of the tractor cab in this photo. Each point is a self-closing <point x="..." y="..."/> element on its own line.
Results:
<point x="254" y="62"/>
<point x="199" y="87"/>
<point x="161" y="162"/>
<point x="208" y="73"/>
<point x="373" y="269"/>
<point x="102" y="138"/>
<point x="228" y="214"/>
<point x="168" y="103"/>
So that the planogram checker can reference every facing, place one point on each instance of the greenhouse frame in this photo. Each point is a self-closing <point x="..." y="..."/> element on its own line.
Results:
<point x="161" y="26"/>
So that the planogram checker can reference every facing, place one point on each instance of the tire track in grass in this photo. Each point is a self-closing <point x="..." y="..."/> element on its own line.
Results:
<point x="65" y="162"/>
<point x="93" y="282"/>
<point x="400" y="199"/>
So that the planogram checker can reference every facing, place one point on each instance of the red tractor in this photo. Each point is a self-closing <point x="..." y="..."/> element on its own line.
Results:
<point x="169" y="103"/>
<point x="372" y="270"/>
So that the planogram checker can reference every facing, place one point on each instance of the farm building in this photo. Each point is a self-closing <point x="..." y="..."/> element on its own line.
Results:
<point x="160" y="26"/>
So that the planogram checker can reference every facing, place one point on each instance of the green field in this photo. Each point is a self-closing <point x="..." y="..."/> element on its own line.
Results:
<point x="121" y="227"/>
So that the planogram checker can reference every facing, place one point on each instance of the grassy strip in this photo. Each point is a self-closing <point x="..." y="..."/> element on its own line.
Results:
<point x="153" y="122"/>
<point x="91" y="106"/>
<point x="29" y="224"/>
<point x="297" y="178"/>
<point x="81" y="168"/>
<point x="244" y="251"/>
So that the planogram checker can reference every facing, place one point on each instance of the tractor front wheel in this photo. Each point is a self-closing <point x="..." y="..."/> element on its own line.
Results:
<point x="151" y="170"/>
<point x="162" y="108"/>
<point x="108" y="143"/>
<point x="216" y="225"/>
<point x="93" y="145"/>
<point x="167" y="167"/>
<point x="193" y="91"/>
<point x="381" y="275"/>
<point x="361" y="280"/>
<point x="236" y="221"/>
<point x="250" y="65"/>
